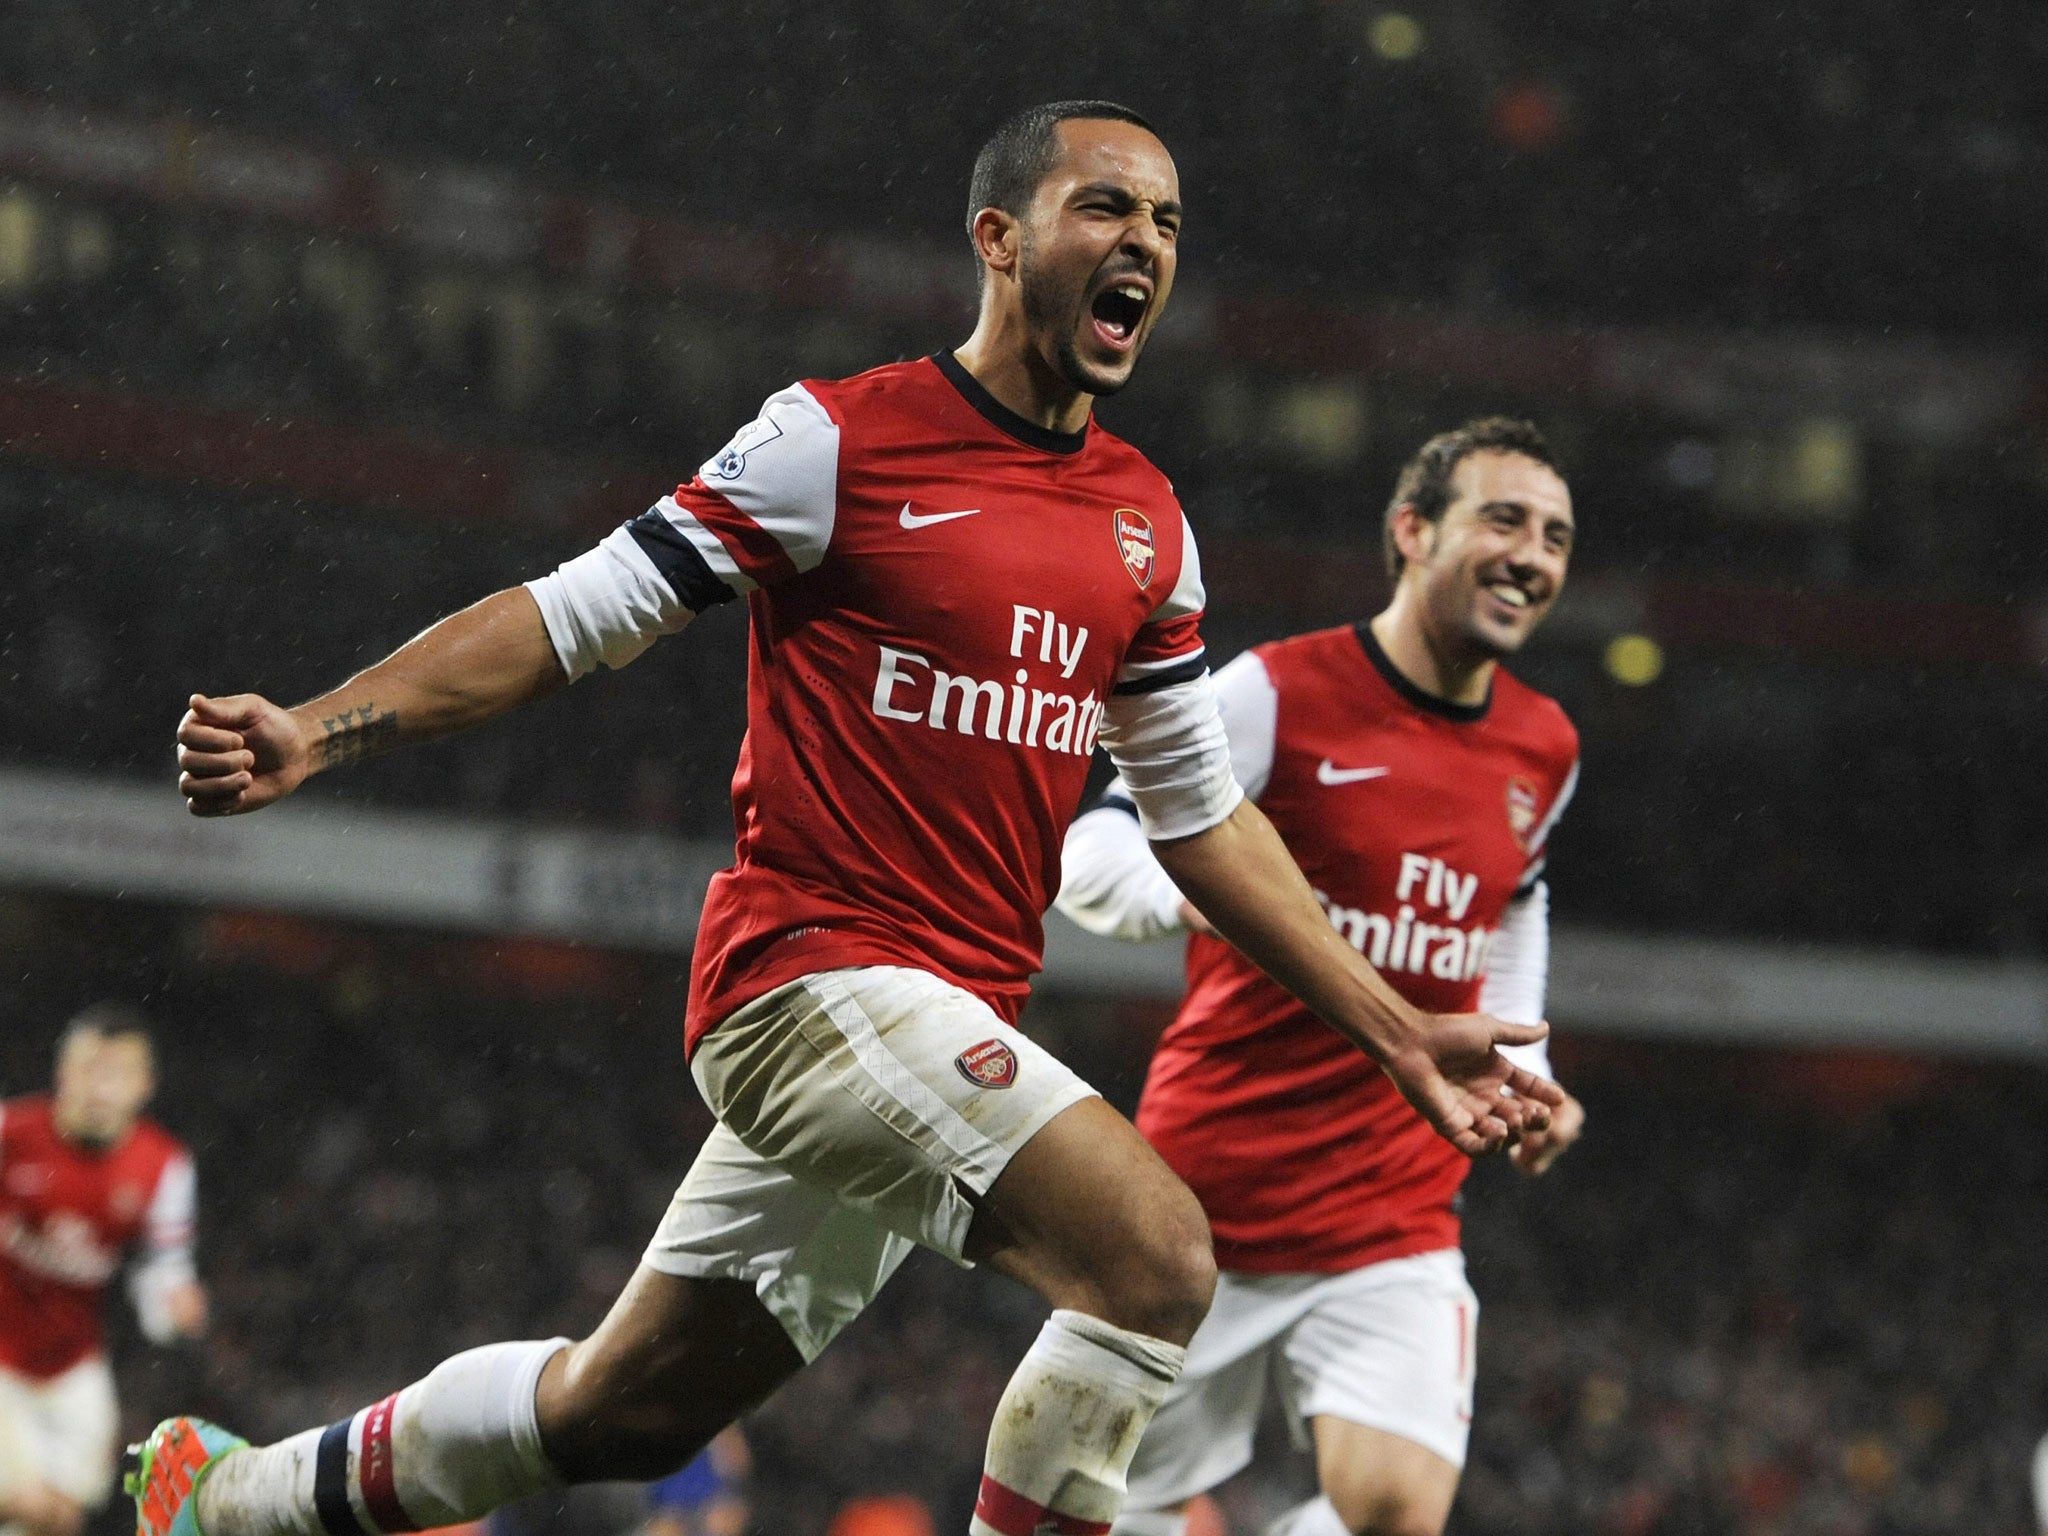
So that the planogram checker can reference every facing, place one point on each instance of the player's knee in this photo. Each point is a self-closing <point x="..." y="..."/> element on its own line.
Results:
<point x="1167" y="1291"/>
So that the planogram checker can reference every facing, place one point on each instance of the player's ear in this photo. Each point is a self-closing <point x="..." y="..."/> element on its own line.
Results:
<point x="1414" y="534"/>
<point x="998" y="237"/>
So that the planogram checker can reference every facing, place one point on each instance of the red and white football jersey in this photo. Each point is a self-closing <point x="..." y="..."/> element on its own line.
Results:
<point x="1417" y="821"/>
<point x="67" y="1215"/>
<point x="942" y="596"/>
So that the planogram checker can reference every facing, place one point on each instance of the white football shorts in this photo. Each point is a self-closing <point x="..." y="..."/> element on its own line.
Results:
<point x="60" y="1432"/>
<point x="859" y="1111"/>
<point x="1389" y="1346"/>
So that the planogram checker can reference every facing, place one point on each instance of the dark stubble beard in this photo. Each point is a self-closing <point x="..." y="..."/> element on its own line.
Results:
<point x="1469" y="627"/>
<point x="1041" y="314"/>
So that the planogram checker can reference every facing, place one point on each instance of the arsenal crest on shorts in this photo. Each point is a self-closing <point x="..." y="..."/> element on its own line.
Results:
<point x="1135" y="543"/>
<point x="990" y="1064"/>
<point x="1521" y="810"/>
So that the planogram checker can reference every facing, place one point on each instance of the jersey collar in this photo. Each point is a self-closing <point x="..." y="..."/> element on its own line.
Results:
<point x="1464" y="714"/>
<point x="1001" y="417"/>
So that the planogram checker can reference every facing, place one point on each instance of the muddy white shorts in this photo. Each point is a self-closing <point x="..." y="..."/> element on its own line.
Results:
<point x="1389" y="1346"/>
<point x="60" y="1432"/>
<point x="860" y="1111"/>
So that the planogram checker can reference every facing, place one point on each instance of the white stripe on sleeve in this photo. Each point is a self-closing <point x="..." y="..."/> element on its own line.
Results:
<point x="1564" y="798"/>
<point x="705" y="542"/>
<point x="1187" y="595"/>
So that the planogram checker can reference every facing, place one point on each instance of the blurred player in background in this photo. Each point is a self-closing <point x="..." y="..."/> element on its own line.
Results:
<point x="709" y="1496"/>
<point x="83" y="1179"/>
<point x="1416" y="783"/>
<point x="956" y="583"/>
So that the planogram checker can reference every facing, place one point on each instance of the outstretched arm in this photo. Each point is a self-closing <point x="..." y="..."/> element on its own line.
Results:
<point x="241" y="752"/>
<point x="603" y="608"/>
<point x="1225" y="857"/>
<point x="169" y="1301"/>
<point x="1240" y="876"/>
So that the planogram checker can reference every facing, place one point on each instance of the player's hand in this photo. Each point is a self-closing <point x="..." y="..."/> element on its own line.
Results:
<point x="238" y="754"/>
<point x="1537" y="1150"/>
<point x="185" y="1307"/>
<point x="1473" y="1096"/>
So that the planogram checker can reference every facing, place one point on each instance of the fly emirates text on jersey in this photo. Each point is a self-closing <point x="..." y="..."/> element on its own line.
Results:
<point x="1401" y="942"/>
<point x="908" y="687"/>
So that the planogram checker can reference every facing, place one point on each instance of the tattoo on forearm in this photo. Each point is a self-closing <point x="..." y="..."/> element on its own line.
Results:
<point x="354" y="734"/>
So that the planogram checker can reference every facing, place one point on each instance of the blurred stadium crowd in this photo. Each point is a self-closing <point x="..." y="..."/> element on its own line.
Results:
<point x="244" y="342"/>
<point x="1737" y="163"/>
<point x="318" y="321"/>
<point x="1756" y="1322"/>
<point x="1713" y="799"/>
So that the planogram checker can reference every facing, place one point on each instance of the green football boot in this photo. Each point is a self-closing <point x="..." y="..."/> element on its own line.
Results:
<point x="165" y="1471"/>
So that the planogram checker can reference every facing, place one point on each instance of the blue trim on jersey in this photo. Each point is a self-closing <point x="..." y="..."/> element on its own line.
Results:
<point x="694" y="583"/>
<point x="330" y="1482"/>
<point x="1111" y="801"/>
<point x="1183" y="672"/>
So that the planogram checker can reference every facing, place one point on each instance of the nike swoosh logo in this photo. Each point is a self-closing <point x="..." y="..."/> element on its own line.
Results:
<point x="1328" y="772"/>
<point x="910" y="519"/>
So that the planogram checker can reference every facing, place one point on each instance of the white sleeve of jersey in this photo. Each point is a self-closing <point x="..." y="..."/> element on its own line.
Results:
<point x="1109" y="882"/>
<point x="606" y="606"/>
<point x="1250" y="706"/>
<point x="166" y="1261"/>
<point x="1518" y="974"/>
<point x="1170" y="751"/>
<point x="780" y="475"/>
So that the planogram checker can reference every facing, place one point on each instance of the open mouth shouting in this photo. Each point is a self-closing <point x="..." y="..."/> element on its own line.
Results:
<point x="1118" y="312"/>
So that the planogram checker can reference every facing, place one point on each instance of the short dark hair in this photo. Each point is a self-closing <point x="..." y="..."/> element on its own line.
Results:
<point x="1425" y="480"/>
<point x="1025" y="147"/>
<point x="110" y="1020"/>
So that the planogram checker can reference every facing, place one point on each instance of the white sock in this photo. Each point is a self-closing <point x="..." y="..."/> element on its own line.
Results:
<point x="1150" y="1522"/>
<point x="1067" y="1427"/>
<point x="1318" y="1517"/>
<point x="445" y="1450"/>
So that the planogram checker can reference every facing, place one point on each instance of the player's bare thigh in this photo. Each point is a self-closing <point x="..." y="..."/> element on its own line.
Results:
<point x="1090" y="1217"/>
<point x="675" y="1360"/>
<point x="1381" y="1483"/>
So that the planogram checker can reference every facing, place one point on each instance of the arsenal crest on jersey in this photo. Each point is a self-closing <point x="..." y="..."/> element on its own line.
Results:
<point x="1521" y="810"/>
<point x="990" y="1064"/>
<point x="1135" y="543"/>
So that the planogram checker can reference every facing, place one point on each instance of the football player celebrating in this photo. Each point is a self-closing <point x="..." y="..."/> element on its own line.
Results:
<point x="84" y="1177"/>
<point x="957" y="584"/>
<point x="1416" y="783"/>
